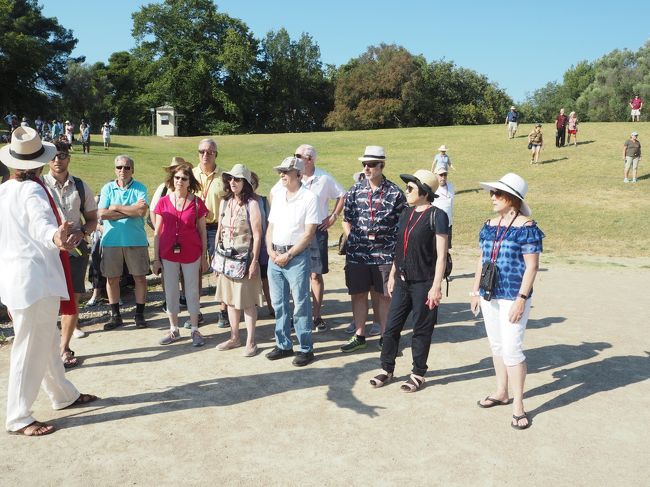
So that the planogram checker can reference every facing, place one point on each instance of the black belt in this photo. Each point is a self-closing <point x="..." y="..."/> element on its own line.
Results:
<point x="281" y="249"/>
<point x="211" y="226"/>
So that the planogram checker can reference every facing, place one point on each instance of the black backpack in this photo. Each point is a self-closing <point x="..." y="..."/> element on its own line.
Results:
<point x="449" y="265"/>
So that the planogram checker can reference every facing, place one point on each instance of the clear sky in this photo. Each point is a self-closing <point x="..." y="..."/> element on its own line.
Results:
<point x="520" y="45"/>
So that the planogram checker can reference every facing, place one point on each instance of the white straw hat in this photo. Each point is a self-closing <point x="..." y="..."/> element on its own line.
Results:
<point x="26" y="150"/>
<point x="373" y="153"/>
<point x="442" y="148"/>
<point x="513" y="184"/>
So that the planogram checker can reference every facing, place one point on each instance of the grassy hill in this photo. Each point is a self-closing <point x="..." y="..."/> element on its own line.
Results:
<point x="577" y="195"/>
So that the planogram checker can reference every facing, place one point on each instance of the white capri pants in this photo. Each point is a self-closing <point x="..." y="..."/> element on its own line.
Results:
<point x="506" y="338"/>
<point x="35" y="362"/>
<point x="191" y="273"/>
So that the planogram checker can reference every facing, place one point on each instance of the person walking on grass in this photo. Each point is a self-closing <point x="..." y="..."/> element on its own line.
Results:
<point x="631" y="157"/>
<point x="512" y="119"/>
<point x="415" y="278"/>
<point x="76" y="204"/>
<point x="511" y="242"/>
<point x="292" y="225"/>
<point x="535" y="143"/>
<point x="180" y="243"/>
<point x="636" y="104"/>
<point x="106" y="135"/>
<point x="572" y="129"/>
<point x="122" y="205"/>
<point x="240" y="232"/>
<point x="442" y="160"/>
<point x="36" y="284"/>
<point x="372" y="209"/>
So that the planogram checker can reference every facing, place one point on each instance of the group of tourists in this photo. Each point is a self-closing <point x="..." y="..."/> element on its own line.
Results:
<point x="208" y="218"/>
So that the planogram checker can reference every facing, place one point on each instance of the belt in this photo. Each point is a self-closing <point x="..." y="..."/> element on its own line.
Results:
<point x="281" y="249"/>
<point x="212" y="226"/>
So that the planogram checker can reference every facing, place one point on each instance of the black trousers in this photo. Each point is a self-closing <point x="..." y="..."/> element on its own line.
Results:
<point x="409" y="296"/>
<point x="560" y="137"/>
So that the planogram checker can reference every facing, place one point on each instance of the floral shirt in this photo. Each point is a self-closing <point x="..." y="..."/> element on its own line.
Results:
<point x="373" y="216"/>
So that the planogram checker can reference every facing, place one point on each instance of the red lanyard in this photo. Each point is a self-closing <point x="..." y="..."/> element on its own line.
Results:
<point x="179" y="214"/>
<point x="233" y="218"/>
<point x="370" y="206"/>
<point x="496" y="246"/>
<point x="407" y="232"/>
<point x="204" y="193"/>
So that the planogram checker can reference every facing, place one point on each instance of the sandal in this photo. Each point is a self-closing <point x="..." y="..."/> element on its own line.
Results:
<point x="69" y="360"/>
<point x="516" y="426"/>
<point x="35" y="429"/>
<point x="82" y="400"/>
<point x="413" y="384"/>
<point x="381" y="379"/>
<point x="492" y="402"/>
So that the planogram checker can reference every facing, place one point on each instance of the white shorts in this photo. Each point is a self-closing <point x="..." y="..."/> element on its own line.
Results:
<point x="636" y="112"/>
<point x="506" y="338"/>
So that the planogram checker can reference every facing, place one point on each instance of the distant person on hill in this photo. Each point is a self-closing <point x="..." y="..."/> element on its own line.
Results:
<point x="442" y="159"/>
<point x="512" y="119"/>
<point x="445" y="197"/>
<point x="560" y="126"/>
<point x="636" y="104"/>
<point x="572" y="127"/>
<point x="25" y="122"/>
<point x="535" y="142"/>
<point x="106" y="135"/>
<point x="84" y="128"/>
<point x="69" y="129"/>
<point x="631" y="156"/>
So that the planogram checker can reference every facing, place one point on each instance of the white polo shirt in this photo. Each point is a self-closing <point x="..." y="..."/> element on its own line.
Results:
<point x="323" y="185"/>
<point x="445" y="199"/>
<point x="289" y="216"/>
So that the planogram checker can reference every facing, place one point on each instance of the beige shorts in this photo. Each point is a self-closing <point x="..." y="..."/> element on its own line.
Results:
<point x="636" y="112"/>
<point x="113" y="258"/>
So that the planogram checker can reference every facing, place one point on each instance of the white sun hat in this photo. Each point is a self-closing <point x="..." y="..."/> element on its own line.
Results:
<point x="26" y="150"/>
<point x="513" y="184"/>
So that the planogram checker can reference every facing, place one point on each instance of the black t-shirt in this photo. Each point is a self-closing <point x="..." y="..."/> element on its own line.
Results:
<point x="4" y="171"/>
<point x="421" y="255"/>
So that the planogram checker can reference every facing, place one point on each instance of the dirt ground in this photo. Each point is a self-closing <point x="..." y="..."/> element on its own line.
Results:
<point x="179" y="415"/>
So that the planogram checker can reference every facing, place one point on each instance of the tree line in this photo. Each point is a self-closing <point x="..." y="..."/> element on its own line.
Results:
<point x="211" y="68"/>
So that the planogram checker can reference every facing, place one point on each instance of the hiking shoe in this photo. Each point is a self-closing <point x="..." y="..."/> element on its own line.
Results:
<point x="303" y="358"/>
<point x="320" y="324"/>
<point x="187" y="325"/>
<point x="278" y="353"/>
<point x="375" y="329"/>
<point x="355" y="343"/>
<point x="351" y="328"/>
<point x="77" y="333"/>
<point x="626" y="180"/>
<point x="170" y="337"/>
<point x="380" y="345"/>
<point x="634" y="180"/>
<point x="139" y="320"/>
<point x="197" y="339"/>
<point x="223" y="322"/>
<point x="182" y="301"/>
<point x="115" y="322"/>
<point x="201" y="319"/>
<point x="91" y="303"/>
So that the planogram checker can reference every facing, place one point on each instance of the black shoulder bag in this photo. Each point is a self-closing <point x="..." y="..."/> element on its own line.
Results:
<point x="490" y="271"/>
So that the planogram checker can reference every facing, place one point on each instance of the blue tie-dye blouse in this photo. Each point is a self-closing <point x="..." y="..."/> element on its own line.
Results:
<point x="510" y="261"/>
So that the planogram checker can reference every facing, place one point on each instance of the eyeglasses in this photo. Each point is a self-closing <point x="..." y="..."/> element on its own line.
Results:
<point x="300" y="156"/>
<point x="126" y="168"/>
<point x="61" y="156"/>
<point x="496" y="192"/>
<point x="207" y="151"/>
<point x="282" y="172"/>
<point x="232" y="178"/>
<point x="370" y="164"/>
<point x="181" y="178"/>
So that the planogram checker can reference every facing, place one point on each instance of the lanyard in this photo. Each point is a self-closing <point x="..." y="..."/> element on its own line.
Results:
<point x="179" y="214"/>
<point x="209" y="181"/>
<point x="371" y="209"/>
<point x="496" y="246"/>
<point x="233" y="218"/>
<point x="407" y="232"/>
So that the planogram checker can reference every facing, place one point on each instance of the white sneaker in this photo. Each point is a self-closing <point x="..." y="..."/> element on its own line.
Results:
<point x="634" y="180"/>
<point x="77" y="333"/>
<point x="375" y="329"/>
<point x="626" y="180"/>
<point x="351" y="328"/>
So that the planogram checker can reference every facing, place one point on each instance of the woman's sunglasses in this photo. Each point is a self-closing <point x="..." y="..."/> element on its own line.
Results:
<point x="496" y="192"/>
<point x="181" y="178"/>
<point x="232" y="178"/>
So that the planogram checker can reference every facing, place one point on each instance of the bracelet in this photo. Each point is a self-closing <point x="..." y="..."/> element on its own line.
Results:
<point x="474" y="293"/>
<point x="522" y="296"/>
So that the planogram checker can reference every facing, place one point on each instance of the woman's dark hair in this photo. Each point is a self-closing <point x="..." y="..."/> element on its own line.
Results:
<point x="186" y="169"/>
<point x="255" y="181"/>
<point x="246" y="194"/>
<point x="422" y="192"/>
<point x="27" y="174"/>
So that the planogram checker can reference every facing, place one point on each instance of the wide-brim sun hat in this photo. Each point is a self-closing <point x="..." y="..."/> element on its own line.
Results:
<point x="513" y="184"/>
<point x="373" y="153"/>
<point x="423" y="179"/>
<point x="26" y="150"/>
<point x="176" y="161"/>
<point x="442" y="148"/>
<point x="239" y="171"/>
<point x="291" y="163"/>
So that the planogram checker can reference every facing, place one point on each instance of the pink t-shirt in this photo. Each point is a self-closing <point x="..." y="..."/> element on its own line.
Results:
<point x="179" y="226"/>
<point x="636" y="103"/>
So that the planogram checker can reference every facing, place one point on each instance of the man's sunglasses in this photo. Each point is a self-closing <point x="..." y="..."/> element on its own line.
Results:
<point x="208" y="152"/>
<point x="62" y="156"/>
<point x="370" y="164"/>
<point x="126" y="168"/>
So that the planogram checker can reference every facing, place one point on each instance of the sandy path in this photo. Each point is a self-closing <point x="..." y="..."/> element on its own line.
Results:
<point x="179" y="415"/>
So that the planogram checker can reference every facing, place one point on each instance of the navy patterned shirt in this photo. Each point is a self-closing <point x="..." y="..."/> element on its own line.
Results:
<point x="373" y="216"/>
<point x="518" y="241"/>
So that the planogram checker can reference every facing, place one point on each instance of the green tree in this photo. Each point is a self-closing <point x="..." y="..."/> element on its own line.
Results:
<point x="85" y="94"/>
<point x="197" y="59"/>
<point x="34" y="52"/>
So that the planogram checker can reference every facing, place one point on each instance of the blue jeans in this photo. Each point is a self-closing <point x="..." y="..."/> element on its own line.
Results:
<point x="292" y="281"/>
<point x="211" y="234"/>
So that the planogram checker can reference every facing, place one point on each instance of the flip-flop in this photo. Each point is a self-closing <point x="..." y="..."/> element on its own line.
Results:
<point x="516" y="426"/>
<point x="69" y="360"/>
<point x="34" y="429"/>
<point x="380" y="380"/>
<point x="82" y="400"/>
<point x="493" y="402"/>
<point x="413" y="384"/>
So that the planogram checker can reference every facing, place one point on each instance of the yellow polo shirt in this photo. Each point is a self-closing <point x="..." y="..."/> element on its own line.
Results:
<point x="211" y="192"/>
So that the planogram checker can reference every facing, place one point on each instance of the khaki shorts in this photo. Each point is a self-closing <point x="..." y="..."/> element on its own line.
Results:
<point x="113" y="258"/>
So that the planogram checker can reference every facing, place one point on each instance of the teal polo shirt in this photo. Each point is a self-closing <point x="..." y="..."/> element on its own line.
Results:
<point x="127" y="231"/>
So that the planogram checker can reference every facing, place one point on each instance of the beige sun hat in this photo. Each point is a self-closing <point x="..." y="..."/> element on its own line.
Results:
<point x="177" y="161"/>
<point x="373" y="153"/>
<point x="291" y="163"/>
<point x="425" y="180"/>
<point x="513" y="184"/>
<point x="26" y="150"/>
<point x="442" y="148"/>
<point x="239" y="171"/>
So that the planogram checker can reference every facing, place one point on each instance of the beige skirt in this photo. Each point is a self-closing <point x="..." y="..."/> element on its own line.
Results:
<point x="239" y="293"/>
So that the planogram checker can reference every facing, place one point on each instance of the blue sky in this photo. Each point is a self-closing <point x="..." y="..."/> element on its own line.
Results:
<point x="519" y="45"/>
